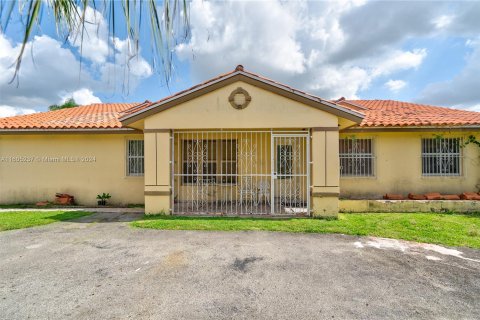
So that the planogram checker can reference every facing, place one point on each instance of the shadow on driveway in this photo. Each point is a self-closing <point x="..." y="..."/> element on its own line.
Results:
<point x="80" y="269"/>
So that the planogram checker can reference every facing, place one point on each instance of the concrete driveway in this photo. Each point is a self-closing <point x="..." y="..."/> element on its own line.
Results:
<point x="98" y="267"/>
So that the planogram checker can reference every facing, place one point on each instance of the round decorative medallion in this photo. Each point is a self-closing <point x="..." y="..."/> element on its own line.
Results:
<point x="239" y="98"/>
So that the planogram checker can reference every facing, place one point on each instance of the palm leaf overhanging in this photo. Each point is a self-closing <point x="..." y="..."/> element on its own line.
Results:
<point x="166" y="21"/>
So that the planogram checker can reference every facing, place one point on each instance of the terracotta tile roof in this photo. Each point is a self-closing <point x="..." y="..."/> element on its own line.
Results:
<point x="109" y="115"/>
<point x="378" y="113"/>
<point x="391" y="113"/>
<point x="93" y="116"/>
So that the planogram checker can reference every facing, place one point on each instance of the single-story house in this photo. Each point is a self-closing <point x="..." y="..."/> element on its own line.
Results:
<point x="238" y="144"/>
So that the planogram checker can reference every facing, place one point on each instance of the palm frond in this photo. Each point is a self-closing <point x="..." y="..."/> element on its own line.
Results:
<point x="70" y="17"/>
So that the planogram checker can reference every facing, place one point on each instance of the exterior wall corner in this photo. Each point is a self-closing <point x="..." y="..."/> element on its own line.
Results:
<point x="325" y="206"/>
<point x="157" y="173"/>
<point x="157" y="204"/>
<point x="325" y="174"/>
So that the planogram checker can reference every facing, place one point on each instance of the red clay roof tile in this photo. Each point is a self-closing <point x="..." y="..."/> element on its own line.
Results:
<point x="378" y="113"/>
<point x="93" y="116"/>
<point x="391" y="113"/>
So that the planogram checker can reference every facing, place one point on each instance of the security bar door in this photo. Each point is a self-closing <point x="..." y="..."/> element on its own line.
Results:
<point x="240" y="172"/>
<point x="290" y="174"/>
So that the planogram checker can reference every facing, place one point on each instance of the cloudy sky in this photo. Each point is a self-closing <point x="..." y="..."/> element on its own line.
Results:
<point x="426" y="52"/>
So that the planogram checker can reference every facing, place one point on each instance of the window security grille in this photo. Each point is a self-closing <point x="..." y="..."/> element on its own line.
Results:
<point x="356" y="157"/>
<point x="441" y="157"/>
<point x="284" y="161"/>
<point x="240" y="172"/>
<point x="209" y="160"/>
<point x="135" y="158"/>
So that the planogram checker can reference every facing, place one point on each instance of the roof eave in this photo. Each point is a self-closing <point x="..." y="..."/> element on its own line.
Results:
<point x="68" y="130"/>
<point x="125" y="119"/>
<point x="338" y="110"/>
<point x="358" y="129"/>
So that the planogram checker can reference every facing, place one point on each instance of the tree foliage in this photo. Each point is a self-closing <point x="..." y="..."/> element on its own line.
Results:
<point x="69" y="103"/>
<point x="472" y="140"/>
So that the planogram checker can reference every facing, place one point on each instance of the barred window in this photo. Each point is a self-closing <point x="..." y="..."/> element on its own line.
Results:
<point x="356" y="157"/>
<point x="199" y="161"/>
<point x="135" y="158"/>
<point x="229" y="161"/>
<point x="208" y="160"/>
<point x="441" y="157"/>
<point x="284" y="161"/>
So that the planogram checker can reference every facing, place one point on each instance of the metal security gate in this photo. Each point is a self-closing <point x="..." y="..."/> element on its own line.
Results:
<point x="240" y="172"/>
<point x="290" y="174"/>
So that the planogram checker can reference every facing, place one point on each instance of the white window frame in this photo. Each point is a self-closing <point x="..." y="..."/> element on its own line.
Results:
<point x="130" y="156"/>
<point x="358" y="156"/>
<point x="438" y="169"/>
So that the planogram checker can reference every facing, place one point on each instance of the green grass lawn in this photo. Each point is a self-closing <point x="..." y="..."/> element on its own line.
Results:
<point x="447" y="229"/>
<point x="32" y="206"/>
<point x="18" y="206"/>
<point x="25" y="219"/>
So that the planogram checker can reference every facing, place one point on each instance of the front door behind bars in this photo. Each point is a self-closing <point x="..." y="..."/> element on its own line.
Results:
<point x="240" y="172"/>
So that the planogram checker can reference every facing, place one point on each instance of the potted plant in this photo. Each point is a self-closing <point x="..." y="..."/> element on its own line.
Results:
<point x="102" y="198"/>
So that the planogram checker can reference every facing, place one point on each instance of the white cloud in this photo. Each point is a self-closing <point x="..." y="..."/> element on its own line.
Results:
<point x="295" y="43"/>
<point x="139" y="67"/>
<point x="82" y="97"/>
<point x="262" y="35"/>
<point x="443" y="21"/>
<point x="462" y="91"/>
<point x="400" y="60"/>
<point x="9" y="111"/>
<point x="472" y="43"/>
<point x="42" y="79"/>
<point x="95" y="37"/>
<point x="329" y="48"/>
<point x="125" y="70"/>
<point x="380" y="26"/>
<point x="119" y="65"/>
<point x="333" y="82"/>
<point x="473" y="108"/>
<point x="50" y="71"/>
<point x="395" y="85"/>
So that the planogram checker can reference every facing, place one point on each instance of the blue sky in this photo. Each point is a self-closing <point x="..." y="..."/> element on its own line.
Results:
<point x="426" y="52"/>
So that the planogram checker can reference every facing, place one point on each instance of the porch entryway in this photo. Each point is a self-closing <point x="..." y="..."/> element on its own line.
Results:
<point x="241" y="172"/>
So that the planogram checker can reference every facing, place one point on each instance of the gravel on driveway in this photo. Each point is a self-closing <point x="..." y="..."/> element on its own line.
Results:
<point x="98" y="267"/>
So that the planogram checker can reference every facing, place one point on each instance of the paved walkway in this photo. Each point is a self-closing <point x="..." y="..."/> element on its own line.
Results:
<point x="98" y="267"/>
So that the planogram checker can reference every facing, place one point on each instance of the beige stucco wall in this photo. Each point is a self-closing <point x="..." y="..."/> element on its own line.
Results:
<point x="401" y="206"/>
<point x="158" y="178"/>
<point x="266" y="110"/>
<point x="398" y="167"/>
<point x="325" y="173"/>
<point x="157" y="173"/>
<point x="37" y="178"/>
